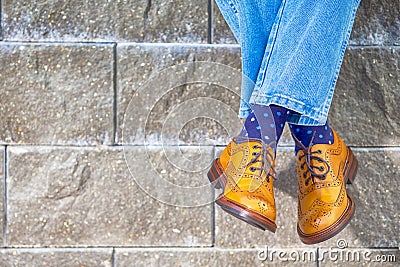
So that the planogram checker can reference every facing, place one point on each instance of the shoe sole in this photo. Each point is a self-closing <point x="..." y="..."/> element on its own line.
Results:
<point x="216" y="175"/>
<point x="350" y="171"/>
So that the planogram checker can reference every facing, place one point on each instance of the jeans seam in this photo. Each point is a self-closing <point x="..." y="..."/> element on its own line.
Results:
<point x="275" y="33"/>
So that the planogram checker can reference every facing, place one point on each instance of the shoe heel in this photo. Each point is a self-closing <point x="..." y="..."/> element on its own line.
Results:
<point x="351" y="168"/>
<point x="214" y="176"/>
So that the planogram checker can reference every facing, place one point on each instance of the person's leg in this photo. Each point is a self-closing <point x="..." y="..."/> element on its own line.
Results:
<point x="303" y="58"/>
<point x="245" y="168"/>
<point x="251" y="22"/>
<point x="299" y="72"/>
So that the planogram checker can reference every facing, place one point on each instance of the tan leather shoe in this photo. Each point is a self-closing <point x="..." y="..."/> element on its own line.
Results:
<point x="324" y="206"/>
<point x="245" y="172"/>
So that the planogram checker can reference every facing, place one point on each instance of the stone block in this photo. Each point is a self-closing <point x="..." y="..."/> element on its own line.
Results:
<point x="125" y="20"/>
<point x="55" y="257"/>
<point x="2" y="191"/>
<point x="222" y="34"/>
<point x="69" y="196"/>
<point x="377" y="23"/>
<point x="177" y="94"/>
<point x="56" y="94"/>
<point x="365" y="105"/>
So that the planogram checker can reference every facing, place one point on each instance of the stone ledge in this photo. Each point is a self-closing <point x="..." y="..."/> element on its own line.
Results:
<point x="102" y="20"/>
<point x="66" y="197"/>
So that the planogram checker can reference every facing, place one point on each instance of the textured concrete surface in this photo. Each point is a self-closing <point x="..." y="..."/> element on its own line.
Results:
<point x="144" y="70"/>
<point x="86" y="197"/>
<point x="221" y="32"/>
<point x="377" y="23"/>
<point x="56" y="94"/>
<point x="2" y="191"/>
<point x="56" y="257"/>
<point x="111" y="113"/>
<point x="124" y="20"/>
<point x="364" y="109"/>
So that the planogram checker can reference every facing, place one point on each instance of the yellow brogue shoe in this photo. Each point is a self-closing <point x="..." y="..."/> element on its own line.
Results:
<point x="324" y="206"/>
<point x="245" y="172"/>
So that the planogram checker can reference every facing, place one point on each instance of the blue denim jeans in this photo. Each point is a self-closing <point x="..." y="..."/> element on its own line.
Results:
<point x="292" y="51"/>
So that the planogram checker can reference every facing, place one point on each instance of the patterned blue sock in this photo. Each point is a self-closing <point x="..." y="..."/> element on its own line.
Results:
<point x="280" y="116"/>
<point x="265" y="122"/>
<point x="323" y="134"/>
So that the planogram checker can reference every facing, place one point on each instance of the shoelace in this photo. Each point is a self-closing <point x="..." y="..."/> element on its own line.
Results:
<point x="265" y="157"/>
<point x="309" y="157"/>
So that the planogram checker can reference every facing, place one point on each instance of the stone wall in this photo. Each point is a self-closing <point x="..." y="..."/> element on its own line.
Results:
<point x="68" y="72"/>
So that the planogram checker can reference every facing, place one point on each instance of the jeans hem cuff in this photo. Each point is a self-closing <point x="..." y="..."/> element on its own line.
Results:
<point x="307" y="115"/>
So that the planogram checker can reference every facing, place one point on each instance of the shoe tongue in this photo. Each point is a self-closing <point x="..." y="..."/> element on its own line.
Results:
<point x="242" y="139"/>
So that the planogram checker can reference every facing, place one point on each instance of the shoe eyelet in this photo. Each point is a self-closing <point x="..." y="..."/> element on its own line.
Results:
<point x="255" y="147"/>
<point x="319" y="151"/>
<point x="252" y="169"/>
<point x="254" y="153"/>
